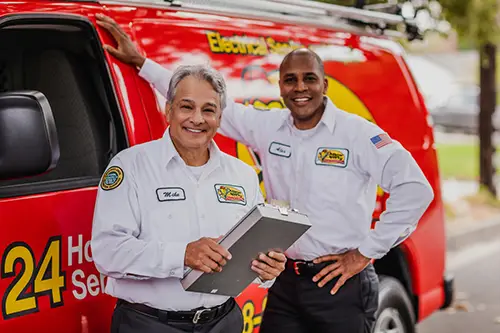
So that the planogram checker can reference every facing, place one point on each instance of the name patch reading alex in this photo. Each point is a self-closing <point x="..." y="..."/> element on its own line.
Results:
<point x="170" y="194"/>
<point x="112" y="178"/>
<point x="332" y="156"/>
<point x="280" y="149"/>
<point x="230" y="194"/>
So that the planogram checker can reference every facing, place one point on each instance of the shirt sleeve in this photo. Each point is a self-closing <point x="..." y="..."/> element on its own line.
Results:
<point x="157" y="75"/>
<point x="397" y="173"/>
<point x="117" y="250"/>
<point x="239" y="122"/>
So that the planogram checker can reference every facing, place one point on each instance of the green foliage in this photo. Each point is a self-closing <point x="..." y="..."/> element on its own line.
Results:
<point x="473" y="19"/>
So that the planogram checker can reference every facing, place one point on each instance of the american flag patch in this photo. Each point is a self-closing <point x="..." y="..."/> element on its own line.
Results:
<point x="381" y="140"/>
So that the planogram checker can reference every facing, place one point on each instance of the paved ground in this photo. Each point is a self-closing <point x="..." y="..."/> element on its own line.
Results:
<point x="477" y="278"/>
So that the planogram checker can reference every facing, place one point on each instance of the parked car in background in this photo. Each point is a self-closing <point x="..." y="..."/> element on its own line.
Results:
<point x="434" y="81"/>
<point x="460" y="112"/>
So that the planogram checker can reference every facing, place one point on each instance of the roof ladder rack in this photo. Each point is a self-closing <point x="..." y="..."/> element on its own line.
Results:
<point x="309" y="11"/>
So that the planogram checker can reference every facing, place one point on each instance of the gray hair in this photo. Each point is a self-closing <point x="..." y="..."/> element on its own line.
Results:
<point x="202" y="72"/>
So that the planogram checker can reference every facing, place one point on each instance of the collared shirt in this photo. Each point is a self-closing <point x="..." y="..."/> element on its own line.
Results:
<point x="150" y="206"/>
<point x="330" y="173"/>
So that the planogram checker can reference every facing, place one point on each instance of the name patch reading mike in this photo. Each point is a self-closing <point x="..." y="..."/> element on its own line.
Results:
<point x="170" y="194"/>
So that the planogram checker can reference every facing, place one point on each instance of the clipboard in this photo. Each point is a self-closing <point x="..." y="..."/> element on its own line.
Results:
<point x="264" y="228"/>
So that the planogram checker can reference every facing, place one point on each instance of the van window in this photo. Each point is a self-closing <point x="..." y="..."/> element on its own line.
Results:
<point x="62" y="63"/>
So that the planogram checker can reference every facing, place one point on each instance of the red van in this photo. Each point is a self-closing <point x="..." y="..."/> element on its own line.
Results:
<point x="67" y="107"/>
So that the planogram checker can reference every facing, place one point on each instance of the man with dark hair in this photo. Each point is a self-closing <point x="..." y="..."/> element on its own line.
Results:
<point x="326" y="163"/>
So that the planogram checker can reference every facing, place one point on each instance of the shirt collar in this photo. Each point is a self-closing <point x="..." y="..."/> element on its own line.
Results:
<point x="328" y="117"/>
<point x="170" y="152"/>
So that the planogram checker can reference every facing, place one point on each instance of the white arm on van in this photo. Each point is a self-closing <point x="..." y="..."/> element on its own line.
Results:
<point x="116" y="249"/>
<point x="239" y="122"/>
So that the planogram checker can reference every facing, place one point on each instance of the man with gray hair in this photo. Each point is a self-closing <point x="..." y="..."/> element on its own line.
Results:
<point x="160" y="210"/>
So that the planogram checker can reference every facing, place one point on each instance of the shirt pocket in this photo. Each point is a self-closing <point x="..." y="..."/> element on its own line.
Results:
<point x="169" y="221"/>
<point x="277" y="171"/>
<point x="230" y="215"/>
<point x="330" y="184"/>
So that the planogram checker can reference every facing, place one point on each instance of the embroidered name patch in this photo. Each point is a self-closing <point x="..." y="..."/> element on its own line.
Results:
<point x="112" y="178"/>
<point x="280" y="149"/>
<point x="230" y="194"/>
<point x="381" y="140"/>
<point x="332" y="156"/>
<point x="170" y="194"/>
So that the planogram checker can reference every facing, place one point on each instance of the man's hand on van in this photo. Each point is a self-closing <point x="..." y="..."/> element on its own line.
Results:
<point x="206" y="255"/>
<point x="126" y="50"/>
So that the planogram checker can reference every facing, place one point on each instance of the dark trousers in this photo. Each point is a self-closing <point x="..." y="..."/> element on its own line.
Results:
<point x="296" y="304"/>
<point x="127" y="319"/>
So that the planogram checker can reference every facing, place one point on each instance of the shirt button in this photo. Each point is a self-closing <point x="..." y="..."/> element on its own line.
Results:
<point x="202" y="216"/>
<point x="170" y="216"/>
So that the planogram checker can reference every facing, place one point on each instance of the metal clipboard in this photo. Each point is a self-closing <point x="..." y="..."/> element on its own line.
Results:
<point x="264" y="228"/>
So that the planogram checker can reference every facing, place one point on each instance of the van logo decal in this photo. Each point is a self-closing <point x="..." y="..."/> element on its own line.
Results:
<point x="112" y="178"/>
<point x="230" y="194"/>
<point x="170" y="194"/>
<point x="280" y="149"/>
<point x="332" y="156"/>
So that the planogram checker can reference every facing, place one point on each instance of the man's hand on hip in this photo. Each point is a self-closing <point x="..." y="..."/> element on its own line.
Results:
<point x="269" y="266"/>
<point x="346" y="265"/>
<point x="206" y="255"/>
<point x="126" y="50"/>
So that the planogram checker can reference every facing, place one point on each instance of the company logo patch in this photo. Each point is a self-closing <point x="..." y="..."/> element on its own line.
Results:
<point x="230" y="194"/>
<point x="170" y="194"/>
<point x="112" y="178"/>
<point x="332" y="156"/>
<point x="280" y="149"/>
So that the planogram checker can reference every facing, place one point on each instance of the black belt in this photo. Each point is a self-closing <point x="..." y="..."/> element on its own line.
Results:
<point x="195" y="316"/>
<point x="305" y="267"/>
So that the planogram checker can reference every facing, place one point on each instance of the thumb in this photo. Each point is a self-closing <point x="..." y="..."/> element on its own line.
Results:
<point x="114" y="52"/>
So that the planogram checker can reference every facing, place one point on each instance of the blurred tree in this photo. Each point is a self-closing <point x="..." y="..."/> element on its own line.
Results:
<point x="477" y="20"/>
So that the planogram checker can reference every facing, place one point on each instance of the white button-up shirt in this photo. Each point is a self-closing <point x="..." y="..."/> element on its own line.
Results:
<point x="150" y="205"/>
<point x="330" y="173"/>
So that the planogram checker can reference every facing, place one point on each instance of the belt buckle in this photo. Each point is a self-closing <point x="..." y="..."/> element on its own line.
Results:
<point x="197" y="315"/>
<point x="296" y="267"/>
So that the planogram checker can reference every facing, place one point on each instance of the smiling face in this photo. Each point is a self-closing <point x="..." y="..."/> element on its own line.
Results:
<point x="194" y="114"/>
<point x="303" y="85"/>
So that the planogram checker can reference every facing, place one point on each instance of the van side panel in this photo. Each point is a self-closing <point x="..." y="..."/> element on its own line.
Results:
<point x="48" y="282"/>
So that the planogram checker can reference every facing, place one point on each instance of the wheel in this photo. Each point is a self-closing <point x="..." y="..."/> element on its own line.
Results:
<point x="395" y="311"/>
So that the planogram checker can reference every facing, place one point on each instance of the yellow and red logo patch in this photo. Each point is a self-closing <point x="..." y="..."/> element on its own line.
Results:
<point x="230" y="194"/>
<point x="332" y="156"/>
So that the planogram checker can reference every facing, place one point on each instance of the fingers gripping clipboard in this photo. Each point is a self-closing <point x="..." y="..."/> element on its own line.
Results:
<point x="264" y="228"/>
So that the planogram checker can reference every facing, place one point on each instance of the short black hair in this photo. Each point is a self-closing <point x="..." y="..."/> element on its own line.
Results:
<point x="305" y="51"/>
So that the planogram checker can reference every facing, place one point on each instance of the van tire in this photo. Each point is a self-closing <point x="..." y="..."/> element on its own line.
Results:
<point x="394" y="307"/>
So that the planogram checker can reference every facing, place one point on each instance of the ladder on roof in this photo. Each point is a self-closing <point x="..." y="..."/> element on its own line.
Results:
<point x="306" y="11"/>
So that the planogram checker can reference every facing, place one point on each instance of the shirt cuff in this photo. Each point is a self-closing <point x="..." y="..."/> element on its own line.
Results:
<point x="264" y="284"/>
<point x="150" y="70"/>
<point x="175" y="253"/>
<point x="371" y="249"/>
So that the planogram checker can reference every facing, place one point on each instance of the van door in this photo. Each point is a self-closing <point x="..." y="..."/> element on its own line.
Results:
<point x="48" y="282"/>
